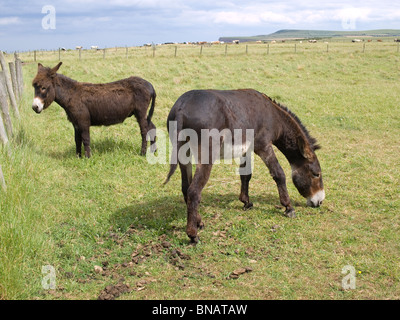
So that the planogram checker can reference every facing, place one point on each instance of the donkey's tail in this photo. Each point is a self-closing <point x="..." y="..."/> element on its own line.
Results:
<point x="174" y="127"/>
<point x="153" y="103"/>
<point x="172" y="168"/>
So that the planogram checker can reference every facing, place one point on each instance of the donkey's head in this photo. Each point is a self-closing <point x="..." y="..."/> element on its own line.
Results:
<point x="43" y="84"/>
<point x="307" y="176"/>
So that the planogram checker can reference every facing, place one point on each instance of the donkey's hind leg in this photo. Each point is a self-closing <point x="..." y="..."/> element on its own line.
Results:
<point x="245" y="176"/>
<point x="141" y="118"/>
<point x="201" y="176"/>
<point x="186" y="175"/>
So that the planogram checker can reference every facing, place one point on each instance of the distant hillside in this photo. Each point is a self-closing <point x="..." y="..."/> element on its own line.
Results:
<point x="287" y="34"/>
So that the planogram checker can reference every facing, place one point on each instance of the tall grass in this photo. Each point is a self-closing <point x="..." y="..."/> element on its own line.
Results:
<point x="76" y="213"/>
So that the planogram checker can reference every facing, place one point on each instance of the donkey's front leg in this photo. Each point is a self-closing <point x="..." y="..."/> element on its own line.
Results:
<point x="200" y="179"/>
<point x="78" y="142"/>
<point x="268" y="156"/>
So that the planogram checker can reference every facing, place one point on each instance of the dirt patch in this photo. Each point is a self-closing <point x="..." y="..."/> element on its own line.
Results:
<point x="238" y="272"/>
<point x="174" y="255"/>
<point x="159" y="248"/>
<point x="114" y="291"/>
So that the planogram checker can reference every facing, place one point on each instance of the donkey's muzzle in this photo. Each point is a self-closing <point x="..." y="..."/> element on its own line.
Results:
<point x="316" y="200"/>
<point x="36" y="109"/>
<point x="37" y="105"/>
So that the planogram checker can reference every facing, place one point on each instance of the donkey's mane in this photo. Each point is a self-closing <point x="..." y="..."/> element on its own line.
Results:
<point x="312" y="141"/>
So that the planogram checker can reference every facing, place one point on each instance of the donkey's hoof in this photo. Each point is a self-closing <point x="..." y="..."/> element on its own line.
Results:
<point x="248" y="206"/>
<point x="194" y="240"/>
<point x="153" y="148"/>
<point x="290" y="213"/>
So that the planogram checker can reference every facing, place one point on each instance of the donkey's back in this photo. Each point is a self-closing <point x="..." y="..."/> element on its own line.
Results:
<point x="220" y="109"/>
<point x="111" y="103"/>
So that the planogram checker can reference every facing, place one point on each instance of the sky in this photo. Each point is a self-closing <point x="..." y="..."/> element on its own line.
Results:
<point x="46" y="24"/>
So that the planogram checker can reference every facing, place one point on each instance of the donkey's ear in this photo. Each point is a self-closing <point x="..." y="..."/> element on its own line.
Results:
<point x="55" y="69"/>
<point x="304" y="148"/>
<point x="40" y="66"/>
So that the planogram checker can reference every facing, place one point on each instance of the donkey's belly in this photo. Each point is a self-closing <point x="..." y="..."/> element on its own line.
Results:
<point x="107" y="119"/>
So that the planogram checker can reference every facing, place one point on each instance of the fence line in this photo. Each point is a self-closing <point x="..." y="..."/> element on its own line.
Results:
<point x="9" y="85"/>
<point x="179" y="50"/>
<point x="11" y="89"/>
<point x="5" y="113"/>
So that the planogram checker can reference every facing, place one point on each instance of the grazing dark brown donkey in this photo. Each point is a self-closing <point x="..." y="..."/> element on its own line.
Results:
<point x="88" y="104"/>
<point x="272" y="123"/>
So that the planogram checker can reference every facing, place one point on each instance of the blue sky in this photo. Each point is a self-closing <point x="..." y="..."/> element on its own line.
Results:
<point x="134" y="22"/>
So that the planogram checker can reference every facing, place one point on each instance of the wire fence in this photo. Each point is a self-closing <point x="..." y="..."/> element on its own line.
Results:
<point x="212" y="50"/>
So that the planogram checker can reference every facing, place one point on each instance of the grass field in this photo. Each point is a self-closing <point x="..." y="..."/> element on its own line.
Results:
<point x="112" y="211"/>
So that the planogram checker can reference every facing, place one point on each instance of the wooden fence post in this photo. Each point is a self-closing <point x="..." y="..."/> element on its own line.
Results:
<point x="3" y="134"/>
<point x="9" y="84"/>
<point x="4" y="106"/>
<point x="2" y="181"/>
<point x="20" y="78"/>
<point x="13" y="74"/>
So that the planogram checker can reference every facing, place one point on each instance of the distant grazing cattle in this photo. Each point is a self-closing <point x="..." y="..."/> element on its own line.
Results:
<point x="312" y="41"/>
<point x="379" y="40"/>
<point x="356" y="40"/>
<point x="78" y="47"/>
<point x="94" y="47"/>
<point x="235" y="41"/>
<point x="396" y="40"/>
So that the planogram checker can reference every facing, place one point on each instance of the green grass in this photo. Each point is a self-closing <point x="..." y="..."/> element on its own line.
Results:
<point x="74" y="213"/>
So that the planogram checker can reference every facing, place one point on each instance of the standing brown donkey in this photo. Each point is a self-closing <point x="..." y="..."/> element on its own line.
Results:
<point x="88" y="104"/>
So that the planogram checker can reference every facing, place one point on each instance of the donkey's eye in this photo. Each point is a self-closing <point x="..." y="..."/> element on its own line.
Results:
<point x="44" y="88"/>
<point x="316" y="175"/>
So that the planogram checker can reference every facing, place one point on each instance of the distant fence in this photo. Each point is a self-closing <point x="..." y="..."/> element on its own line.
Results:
<point x="208" y="49"/>
<point x="11" y="90"/>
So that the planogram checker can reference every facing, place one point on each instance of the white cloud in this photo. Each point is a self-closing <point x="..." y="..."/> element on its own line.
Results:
<point x="312" y="13"/>
<point x="179" y="20"/>
<point x="9" y="20"/>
